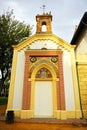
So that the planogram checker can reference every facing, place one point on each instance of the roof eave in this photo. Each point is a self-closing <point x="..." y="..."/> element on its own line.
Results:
<point x="82" y="26"/>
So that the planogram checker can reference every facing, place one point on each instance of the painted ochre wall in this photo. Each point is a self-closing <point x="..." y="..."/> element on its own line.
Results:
<point x="82" y="77"/>
<point x="81" y="59"/>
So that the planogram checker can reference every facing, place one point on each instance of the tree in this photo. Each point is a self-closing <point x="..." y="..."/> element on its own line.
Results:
<point x="11" y="33"/>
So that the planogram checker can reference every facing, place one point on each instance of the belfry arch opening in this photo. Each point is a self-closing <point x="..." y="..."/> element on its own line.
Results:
<point x="44" y="28"/>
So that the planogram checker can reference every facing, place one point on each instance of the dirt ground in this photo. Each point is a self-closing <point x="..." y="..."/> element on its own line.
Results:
<point x="37" y="126"/>
<point x="2" y="109"/>
<point x="34" y="126"/>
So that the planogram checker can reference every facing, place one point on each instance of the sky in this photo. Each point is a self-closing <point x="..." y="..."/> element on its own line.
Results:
<point x="66" y="13"/>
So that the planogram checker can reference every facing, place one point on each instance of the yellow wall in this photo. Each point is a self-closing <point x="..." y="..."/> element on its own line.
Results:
<point x="82" y="76"/>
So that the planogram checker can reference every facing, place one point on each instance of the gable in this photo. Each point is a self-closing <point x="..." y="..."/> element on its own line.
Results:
<point x="40" y="41"/>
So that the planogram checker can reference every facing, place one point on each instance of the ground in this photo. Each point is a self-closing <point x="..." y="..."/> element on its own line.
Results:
<point x="2" y="109"/>
<point x="40" y="126"/>
<point x="20" y="125"/>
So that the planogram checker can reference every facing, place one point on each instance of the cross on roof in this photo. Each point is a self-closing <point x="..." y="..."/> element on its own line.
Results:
<point x="43" y="8"/>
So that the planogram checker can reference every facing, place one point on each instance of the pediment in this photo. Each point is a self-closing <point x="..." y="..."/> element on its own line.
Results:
<point x="46" y="41"/>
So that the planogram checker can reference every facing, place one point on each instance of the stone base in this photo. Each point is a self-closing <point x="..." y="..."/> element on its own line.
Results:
<point x="63" y="115"/>
<point x="58" y="114"/>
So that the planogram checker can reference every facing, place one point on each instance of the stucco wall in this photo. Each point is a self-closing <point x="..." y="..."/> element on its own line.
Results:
<point x="18" y="89"/>
<point x="82" y="47"/>
<point x="49" y="44"/>
<point x="68" y="81"/>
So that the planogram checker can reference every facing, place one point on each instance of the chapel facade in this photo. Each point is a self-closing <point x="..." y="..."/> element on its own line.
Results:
<point x="44" y="80"/>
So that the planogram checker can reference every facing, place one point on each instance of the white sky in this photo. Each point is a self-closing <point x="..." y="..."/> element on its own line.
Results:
<point x="66" y="13"/>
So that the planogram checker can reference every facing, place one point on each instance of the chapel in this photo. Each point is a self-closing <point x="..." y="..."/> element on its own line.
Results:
<point x="44" y="81"/>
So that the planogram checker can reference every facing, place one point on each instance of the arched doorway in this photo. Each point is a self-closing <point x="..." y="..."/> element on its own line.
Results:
<point x="43" y="100"/>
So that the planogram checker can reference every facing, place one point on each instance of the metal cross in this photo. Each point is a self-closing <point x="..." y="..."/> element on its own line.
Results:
<point x="43" y="7"/>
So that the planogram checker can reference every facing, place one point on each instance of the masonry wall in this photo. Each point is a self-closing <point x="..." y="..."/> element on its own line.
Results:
<point x="82" y="77"/>
<point x="81" y="58"/>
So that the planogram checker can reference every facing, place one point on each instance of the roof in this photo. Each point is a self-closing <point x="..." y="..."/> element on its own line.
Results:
<point x="81" y="27"/>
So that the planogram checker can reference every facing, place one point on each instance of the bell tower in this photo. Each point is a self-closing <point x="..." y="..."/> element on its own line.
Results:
<point x="43" y="23"/>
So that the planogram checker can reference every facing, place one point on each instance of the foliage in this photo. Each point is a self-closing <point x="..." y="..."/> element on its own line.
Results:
<point x="11" y="33"/>
<point x="3" y="100"/>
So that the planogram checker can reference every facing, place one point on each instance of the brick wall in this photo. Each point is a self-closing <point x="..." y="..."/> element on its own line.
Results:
<point x="27" y="86"/>
<point x="59" y="84"/>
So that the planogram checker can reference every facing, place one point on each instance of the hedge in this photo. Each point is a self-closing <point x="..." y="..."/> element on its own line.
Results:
<point x="3" y="100"/>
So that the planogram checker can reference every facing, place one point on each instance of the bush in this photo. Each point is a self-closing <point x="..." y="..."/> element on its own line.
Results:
<point x="3" y="100"/>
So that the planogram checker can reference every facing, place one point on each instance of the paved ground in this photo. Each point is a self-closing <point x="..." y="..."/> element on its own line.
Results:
<point x="41" y="126"/>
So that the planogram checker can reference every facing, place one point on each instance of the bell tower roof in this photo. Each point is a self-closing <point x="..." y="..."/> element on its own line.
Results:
<point x="44" y="20"/>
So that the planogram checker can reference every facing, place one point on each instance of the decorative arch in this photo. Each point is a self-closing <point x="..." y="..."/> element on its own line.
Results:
<point x="44" y="63"/>
<point x="43" y="73"/>
<point x="43" y="22"/>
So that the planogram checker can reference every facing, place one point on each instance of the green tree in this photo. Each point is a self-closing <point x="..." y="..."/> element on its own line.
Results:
<point x="12" y="32"/>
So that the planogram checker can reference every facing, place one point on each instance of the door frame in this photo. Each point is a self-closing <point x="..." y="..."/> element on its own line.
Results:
<point x="53" y="79"/>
